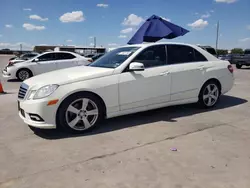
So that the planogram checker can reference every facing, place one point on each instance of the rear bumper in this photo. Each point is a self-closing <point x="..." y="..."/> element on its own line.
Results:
<point x="227" y="83"/>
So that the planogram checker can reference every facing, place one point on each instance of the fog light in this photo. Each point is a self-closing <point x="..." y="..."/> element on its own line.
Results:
<point x="35" y="117"/>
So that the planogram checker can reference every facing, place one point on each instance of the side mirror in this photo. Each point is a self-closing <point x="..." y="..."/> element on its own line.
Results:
<point x="134" y="66"/>
<point x="36" y="60"/>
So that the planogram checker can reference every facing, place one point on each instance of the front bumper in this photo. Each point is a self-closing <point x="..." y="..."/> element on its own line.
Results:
<point x="37" y="113"/>
<point x="8" y="74"/>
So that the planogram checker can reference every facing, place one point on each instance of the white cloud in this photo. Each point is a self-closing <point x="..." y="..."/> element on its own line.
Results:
<point x="128" y="30"/>
<point x="248" y="27"/>
<point x="8" y="26"/>
<point x="132" y="20"/>
<point x="207" y="15"/>
<point x="196" y="13"/>
<point x="225" y="1"/>
<point x="122" y="36"/>
<point x="212" y="11"/>
<point x="27" y="9"/>
<point x="198" y="24"/>
<point x="36" y="17"/>
<point x="167" y="19"/>
<point x="113" y="44"/>
<point x="102" y="5"/>
<point x="31" y="27"/>
<point x="69" y="40"/>
<point x="16" y="46"/>
<point x="75" y="16"/>
<point x="245" y="40"/>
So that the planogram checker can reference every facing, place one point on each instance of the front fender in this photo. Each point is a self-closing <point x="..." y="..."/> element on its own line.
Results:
<point x="105" y="87"/>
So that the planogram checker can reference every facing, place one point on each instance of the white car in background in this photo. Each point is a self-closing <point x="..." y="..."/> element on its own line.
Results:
<point x="46" y="62"/>
<point x="23" y="58"/>
<point x="126" y="80"/>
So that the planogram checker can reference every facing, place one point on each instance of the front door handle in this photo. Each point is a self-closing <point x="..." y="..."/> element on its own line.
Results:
<point x="201" y="68"/>
<point x="164" y="73"/>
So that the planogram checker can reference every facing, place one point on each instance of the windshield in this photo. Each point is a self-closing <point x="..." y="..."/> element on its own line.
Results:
<point x="114" y="58"/>
<point x="27" y="56"/>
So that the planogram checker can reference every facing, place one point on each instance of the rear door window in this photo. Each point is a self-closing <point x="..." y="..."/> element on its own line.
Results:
<point x="183" y="54"/>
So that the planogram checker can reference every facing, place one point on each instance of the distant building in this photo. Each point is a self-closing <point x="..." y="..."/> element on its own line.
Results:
<point x="76" y="49"/>
<point x="41" y="49"/>
<point x="110" y="49"/>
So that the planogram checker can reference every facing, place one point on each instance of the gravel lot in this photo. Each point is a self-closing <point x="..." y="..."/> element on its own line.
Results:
<point x="134" y="150"/>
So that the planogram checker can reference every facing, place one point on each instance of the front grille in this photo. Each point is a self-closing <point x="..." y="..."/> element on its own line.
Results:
<point x="22" y="91"/>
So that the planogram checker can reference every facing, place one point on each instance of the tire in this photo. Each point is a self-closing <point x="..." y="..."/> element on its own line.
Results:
<point x="23" y="74"/>
<point x="72" y="115"/>
<point x="209" y="94"/>
<point x="238" y="66"/>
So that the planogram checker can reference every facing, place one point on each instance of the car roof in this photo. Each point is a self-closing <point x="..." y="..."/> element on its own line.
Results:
<point x="209" y="56"/>
<point x="60" y="52"/>
<point x="157" y="43"/>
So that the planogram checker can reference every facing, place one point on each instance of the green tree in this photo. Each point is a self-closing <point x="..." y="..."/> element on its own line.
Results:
<point x="237" y="51"/>
<point x="222" y="52"/>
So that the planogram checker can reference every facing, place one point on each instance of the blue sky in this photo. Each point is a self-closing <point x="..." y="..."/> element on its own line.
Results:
<point x="113" y="22"/>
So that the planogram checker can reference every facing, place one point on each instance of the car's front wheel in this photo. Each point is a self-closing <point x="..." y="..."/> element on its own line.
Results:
<point x="209" y="94"/>
<point x="24" y="74"/>
<point x="80" y="112"/>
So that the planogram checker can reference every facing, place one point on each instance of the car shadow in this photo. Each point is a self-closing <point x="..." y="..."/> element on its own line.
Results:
<point x="168" y="114"/>
<point x="7" y="93"/>
<point x="245" y="68"/>
<point x="14" y="80"/>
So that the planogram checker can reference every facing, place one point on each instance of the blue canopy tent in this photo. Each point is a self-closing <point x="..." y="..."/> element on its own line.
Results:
<point x="154" y="29"/>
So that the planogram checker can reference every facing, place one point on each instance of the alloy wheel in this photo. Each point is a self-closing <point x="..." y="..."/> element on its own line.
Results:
<point x="82" y="114"/>
<point x="23" y="75"/>
<point x="210" y="95"/>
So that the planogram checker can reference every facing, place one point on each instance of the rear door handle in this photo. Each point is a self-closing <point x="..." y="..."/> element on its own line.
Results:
<point x="164" y="73"/>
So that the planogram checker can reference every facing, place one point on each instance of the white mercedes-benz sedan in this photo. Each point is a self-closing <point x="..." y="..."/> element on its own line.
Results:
<point x="126" y="80"/>
<point x="46" y="62"/>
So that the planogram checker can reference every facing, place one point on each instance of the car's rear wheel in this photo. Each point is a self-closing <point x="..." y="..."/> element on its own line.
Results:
<point x="238" y="66"/>
<point x="209" y="94"/>
<point x="24" y="74"/>
<point x="80" y="112"/>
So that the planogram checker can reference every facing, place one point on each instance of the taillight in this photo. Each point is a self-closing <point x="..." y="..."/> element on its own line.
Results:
<point x="230" y="68"/>
<point x="90" y="60"/>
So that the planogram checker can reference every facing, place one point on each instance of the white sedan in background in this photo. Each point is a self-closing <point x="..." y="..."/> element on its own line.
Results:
<point x="43" y="63"/>
<point x="126" y="80"/>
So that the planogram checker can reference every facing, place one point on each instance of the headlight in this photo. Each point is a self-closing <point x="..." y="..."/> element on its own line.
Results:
<point x="31" y="94"/>
<point x="43" y="92"/>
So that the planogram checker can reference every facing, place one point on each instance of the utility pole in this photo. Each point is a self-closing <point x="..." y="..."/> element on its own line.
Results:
<point x="217" y="36"/>
<point x="21" y="48"/>
<point x="94" y="42"/>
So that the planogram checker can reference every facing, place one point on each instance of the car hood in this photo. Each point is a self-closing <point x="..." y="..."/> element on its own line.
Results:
<point x="68" y="75"/>
<point x="18" y="60"/>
